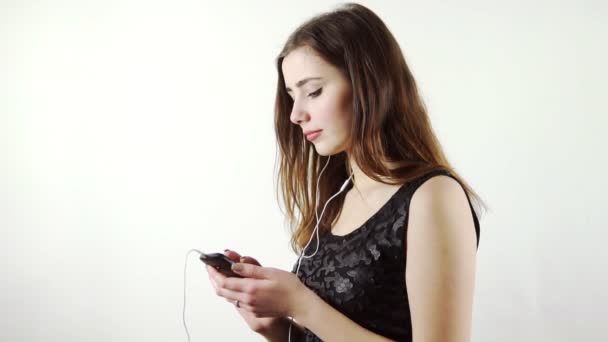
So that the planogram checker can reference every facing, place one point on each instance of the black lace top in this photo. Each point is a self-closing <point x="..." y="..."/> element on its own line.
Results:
<point x="362" y="274"/>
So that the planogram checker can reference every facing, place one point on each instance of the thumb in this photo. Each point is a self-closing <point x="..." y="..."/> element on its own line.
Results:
<point x="251" y="271"/>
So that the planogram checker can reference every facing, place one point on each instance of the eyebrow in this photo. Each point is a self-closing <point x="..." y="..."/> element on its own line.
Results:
<point x="304" y="81"/>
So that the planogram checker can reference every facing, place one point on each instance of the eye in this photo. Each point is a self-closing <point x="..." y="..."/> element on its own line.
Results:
<point x="316" y="93"/>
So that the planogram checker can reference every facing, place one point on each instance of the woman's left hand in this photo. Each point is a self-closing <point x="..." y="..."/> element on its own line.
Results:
<point x="265" y="291"/>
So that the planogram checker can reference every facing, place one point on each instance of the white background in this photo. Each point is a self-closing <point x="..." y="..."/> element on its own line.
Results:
<point x="133" y="131"/>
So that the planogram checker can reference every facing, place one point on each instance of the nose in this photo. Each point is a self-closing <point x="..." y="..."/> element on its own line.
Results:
<point x="298" y="114"/>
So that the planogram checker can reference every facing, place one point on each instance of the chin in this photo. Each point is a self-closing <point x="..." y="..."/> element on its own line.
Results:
<point x="325" y="151"/>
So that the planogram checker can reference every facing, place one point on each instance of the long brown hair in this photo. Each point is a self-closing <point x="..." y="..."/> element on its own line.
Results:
<point x="389" y="124"/>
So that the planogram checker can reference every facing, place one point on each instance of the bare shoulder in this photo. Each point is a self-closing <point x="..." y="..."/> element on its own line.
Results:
<point x="439" y="212"/>
<point x="440" y="189"/>
<point x="441" y="257"/>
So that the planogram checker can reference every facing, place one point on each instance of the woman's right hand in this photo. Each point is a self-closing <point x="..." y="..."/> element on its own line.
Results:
<point x="261" y="325"/>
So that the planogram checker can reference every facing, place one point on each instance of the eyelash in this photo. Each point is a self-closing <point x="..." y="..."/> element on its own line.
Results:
<point x="315" y="93"/>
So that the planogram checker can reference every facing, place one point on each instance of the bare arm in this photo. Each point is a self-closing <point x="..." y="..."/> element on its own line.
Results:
<point x="441" y="257"/>
<point x="440" y="273"/>
<point x="439" y="278"/>
<point x="264" y="291"/>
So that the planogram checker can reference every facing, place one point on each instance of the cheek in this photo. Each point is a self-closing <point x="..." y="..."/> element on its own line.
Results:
<point x="334" y="113"/>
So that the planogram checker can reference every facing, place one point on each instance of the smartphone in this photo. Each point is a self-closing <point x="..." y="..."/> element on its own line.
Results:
<point x="220" y="262"/>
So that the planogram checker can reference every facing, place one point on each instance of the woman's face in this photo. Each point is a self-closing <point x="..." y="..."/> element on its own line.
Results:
<point x="322" y="100"/>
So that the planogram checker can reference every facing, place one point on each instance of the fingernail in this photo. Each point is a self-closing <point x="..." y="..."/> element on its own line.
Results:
<point x="237" y="267"/>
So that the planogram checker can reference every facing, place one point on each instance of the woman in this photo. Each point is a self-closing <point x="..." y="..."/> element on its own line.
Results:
<point x="393" y="254"/>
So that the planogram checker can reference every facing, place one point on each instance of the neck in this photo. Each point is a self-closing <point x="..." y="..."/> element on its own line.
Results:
<point x="361" y="181"/>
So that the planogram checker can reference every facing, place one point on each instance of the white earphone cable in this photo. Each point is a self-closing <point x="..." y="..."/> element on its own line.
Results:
<point x="184" y="310"/>
<point x="316" y="230"/>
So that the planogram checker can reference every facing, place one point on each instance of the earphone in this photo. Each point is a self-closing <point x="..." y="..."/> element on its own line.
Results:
<point x="316" y="230"/>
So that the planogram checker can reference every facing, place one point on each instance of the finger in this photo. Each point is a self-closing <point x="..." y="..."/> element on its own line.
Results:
<point x="212" y="281"/>
<point x="243" y="306"/>
<point x="252" y="271"/>
<point x="245" y="285"/>
<point x="233" y="296"/>
<point x="233" y="283"/>
<point x="232" y="255"/>
<point x="215" y="275"/>
<point x="256" y="312"/>
<point x="214" y="272"/>
<point x="250" y="260"/>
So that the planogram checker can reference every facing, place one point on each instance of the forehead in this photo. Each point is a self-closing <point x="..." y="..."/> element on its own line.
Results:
<point x="303" y="62"/>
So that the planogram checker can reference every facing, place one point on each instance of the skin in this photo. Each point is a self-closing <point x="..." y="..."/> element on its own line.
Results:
<point x="273" y="328"/>
<point x="323" y="103"/>
<point x="441" y="253"/>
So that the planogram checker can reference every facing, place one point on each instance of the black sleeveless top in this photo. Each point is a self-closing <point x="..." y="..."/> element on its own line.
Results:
<point x="362" y="274"/>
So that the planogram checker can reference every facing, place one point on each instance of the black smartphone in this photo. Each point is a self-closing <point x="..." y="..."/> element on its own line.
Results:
<point x="220" y="262"/>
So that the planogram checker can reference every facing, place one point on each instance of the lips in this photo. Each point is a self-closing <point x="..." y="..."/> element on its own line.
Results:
<point x="310" y="132"/>
<point x="312" y="135"/>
